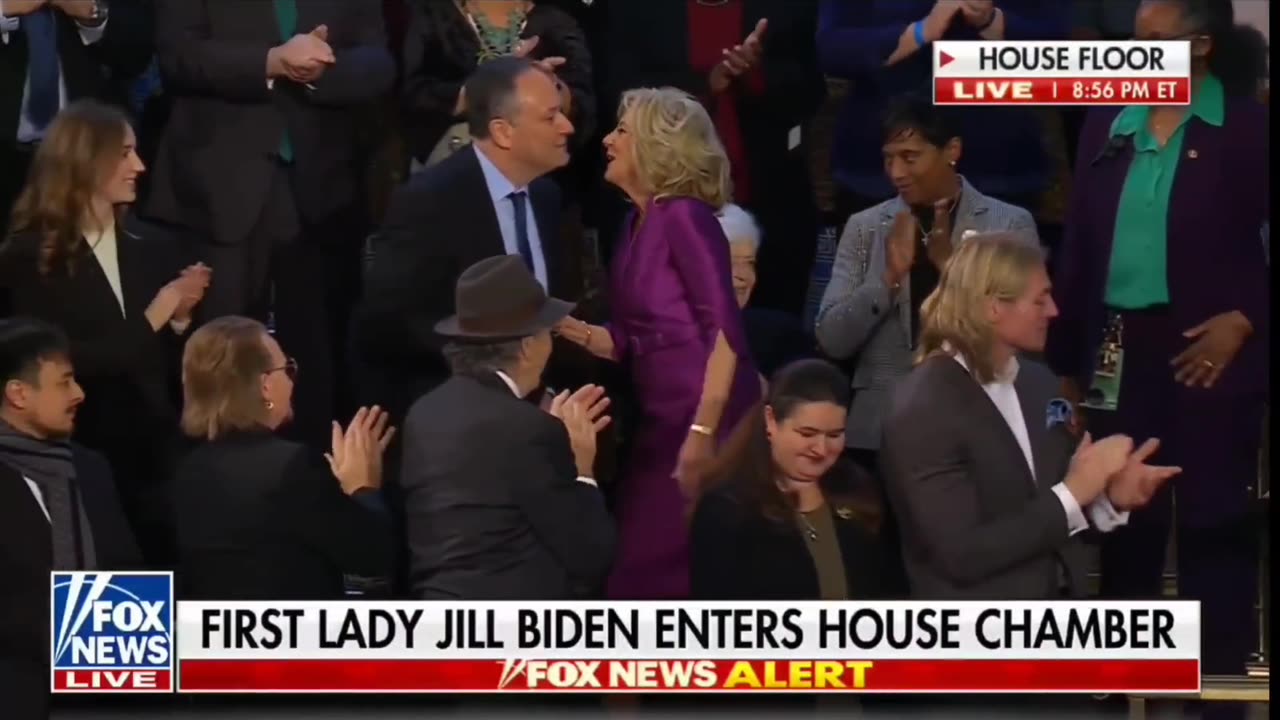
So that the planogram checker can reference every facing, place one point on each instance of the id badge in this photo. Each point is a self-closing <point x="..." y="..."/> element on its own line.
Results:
<point x="1104" y="389"/>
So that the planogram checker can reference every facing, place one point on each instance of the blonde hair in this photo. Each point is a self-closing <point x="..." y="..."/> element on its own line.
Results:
<point x="222" y="367"/>
<point x="677" y="151"/>
<point x="991" y="266"/>
<point x="81" y="147"/>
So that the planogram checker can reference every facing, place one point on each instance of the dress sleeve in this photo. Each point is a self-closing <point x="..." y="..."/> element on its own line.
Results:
<point x="700" y="254"/>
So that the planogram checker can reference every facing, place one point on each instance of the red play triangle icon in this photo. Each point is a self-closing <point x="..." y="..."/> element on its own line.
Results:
<point x="944" y="59"/>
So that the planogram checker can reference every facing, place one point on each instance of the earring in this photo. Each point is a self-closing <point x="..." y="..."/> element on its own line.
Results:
<point x="271" y="405"/>
<point x="952" y="163"/>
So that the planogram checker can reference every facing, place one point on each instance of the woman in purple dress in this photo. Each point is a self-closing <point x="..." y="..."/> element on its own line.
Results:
<point x="677" y="324"/>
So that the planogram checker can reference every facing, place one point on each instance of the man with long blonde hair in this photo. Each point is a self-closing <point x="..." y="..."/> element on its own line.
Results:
<point x="989" y="487"/>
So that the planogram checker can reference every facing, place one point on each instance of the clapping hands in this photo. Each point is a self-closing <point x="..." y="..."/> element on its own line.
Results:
<point x="304" y="58"/>
<point x="355" y="457"/>
<point x="583" y="415"/>
<point x="1137" y="482"/>
<point x="191" y="285"/>
<point x="1112" y="466"/>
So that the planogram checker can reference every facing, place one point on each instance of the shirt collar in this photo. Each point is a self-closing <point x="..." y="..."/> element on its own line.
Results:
<point x="515" y="389"/>
<point x="1003" y="377"/>
<point x="1208" y="104"/>
<point x="500" y="188"/>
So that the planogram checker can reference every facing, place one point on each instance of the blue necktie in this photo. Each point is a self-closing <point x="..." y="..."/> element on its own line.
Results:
<point x="41" y="29"/>
<point x="522" y="228"/>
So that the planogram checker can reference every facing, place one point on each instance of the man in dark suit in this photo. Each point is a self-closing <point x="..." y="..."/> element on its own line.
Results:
<point x="260" y="160"/>
<point x="499" y="495"/>
<point x="491" y="199"/>
<point x="979" y="465"/>
<point x="58" y="505"/>
<point x="54" y="52"/>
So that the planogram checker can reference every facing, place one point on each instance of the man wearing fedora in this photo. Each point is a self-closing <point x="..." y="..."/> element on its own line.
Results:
<point x="499" y="498"/>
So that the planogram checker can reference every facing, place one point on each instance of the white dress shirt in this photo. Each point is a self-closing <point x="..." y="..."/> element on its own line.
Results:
<point x="1004" y="396"/>
<point x="500" y="189"/>
<point x="35" y="490"/>
<point x="27" y="131"/>
<point x="515" y="390"/>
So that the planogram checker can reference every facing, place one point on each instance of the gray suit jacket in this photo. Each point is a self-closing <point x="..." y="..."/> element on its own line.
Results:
<point x="974" y="522"/>
<point x="858" y="316"/>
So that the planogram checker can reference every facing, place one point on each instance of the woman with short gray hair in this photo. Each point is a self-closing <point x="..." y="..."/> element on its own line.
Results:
<point x="774" y="337"/>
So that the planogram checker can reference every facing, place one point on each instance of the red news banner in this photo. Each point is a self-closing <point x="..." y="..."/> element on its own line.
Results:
<point x="403" y="647"/>
<point x="1062" y="73"/>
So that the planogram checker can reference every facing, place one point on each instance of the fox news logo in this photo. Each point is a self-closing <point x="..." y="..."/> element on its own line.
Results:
<point x="111" y="632"/>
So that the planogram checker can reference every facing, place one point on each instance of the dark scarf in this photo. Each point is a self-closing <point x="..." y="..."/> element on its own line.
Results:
<point x="48" y="464"/>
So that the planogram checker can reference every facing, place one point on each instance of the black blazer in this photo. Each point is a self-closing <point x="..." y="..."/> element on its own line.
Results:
<point x="440" y="51"/>
<point x="128" y="371"/>
<point x="261" y="518"/>
<point x="438" y="224"/>
<point x="213" y="167"/>
<point x="974" y="522"/>
<point x="26" y="559"/>
<point x="493" y="507"/>
<point x="736" y="553"/>
<point x="102" y="70"/>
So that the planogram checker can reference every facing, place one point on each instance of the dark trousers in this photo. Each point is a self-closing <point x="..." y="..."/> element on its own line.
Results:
<point x="301" y="279"/>
<point x="1215" y="439"/>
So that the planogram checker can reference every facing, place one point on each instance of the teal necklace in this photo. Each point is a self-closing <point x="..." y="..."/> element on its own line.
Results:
<point x="497" y="41"/>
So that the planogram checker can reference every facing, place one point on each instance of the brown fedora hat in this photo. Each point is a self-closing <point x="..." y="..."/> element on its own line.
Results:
<point x="498" y="298"/>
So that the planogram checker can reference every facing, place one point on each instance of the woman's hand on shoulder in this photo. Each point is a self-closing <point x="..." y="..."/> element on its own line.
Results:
<point x="593" y="338"/>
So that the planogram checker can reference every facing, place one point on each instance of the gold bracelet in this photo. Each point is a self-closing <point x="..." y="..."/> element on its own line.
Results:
<point x="702" y="430"/>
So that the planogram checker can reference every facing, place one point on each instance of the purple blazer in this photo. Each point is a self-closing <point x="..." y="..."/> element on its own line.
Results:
<point x="1216" y="259"/>
<point x="672" y="286"/>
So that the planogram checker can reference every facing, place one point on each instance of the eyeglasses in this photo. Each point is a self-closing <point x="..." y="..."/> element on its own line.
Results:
<point x="290" y="368"/>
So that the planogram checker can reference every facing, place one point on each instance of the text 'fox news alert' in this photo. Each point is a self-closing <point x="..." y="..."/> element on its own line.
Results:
<point x="111" y="632"/>
<point x="1062" y="73"/>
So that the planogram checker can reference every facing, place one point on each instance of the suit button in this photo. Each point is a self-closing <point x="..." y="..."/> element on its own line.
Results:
<point x="875" y="309"/>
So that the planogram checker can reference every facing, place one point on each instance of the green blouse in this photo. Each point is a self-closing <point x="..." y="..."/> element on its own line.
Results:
<point x="1137" y="276"/>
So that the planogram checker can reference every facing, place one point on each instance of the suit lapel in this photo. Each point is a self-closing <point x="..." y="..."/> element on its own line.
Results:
<point x="545" y="215"/>
<point x="473" y="194"/>
<point x="132" y="289"/>
<point x="991" y="417"/>
<point x="1199" y="169"/>
<point x="970" y="216"/>
<point x="1035" y="415"/>
<point x="97" y="287"/>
